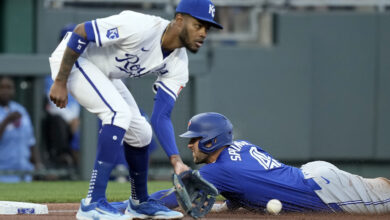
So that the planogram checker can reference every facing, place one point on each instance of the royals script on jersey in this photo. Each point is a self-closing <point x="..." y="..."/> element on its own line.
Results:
<point x="129" y="45"/>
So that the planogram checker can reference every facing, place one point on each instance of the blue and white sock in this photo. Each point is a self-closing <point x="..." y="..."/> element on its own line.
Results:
<point x="109" y="148"/>
<point x="138" y="161"/>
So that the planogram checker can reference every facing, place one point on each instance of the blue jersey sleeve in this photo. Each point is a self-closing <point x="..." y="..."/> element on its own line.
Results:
<point x="169" y="201"/>
<point x="89" y="30"/>
<point x="161" y="121"/>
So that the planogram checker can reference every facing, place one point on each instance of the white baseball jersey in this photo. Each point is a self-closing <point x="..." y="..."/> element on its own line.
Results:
<point x="129" y="45"/>
<point x="126" y="45"/>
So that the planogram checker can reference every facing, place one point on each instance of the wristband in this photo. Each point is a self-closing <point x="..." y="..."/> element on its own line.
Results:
<point x="77" y="43"/>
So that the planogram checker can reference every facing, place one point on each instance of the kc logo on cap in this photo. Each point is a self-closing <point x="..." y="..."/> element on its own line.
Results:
<point x="212" y="10"/>
<point x="203" y="10"/>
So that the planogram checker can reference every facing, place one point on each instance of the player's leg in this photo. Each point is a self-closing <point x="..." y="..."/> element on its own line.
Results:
<point x="136" y="143"/>
<point x="351" y="193"/>
<point x="95" y="92"/>
<point x="380" y="187"/>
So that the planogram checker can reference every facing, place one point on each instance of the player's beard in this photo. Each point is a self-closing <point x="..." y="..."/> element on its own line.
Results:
<point x="185" y="40"/>
<point x="200" y="157"/>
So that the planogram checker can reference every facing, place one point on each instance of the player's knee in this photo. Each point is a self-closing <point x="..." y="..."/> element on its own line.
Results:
<point x="139" y="137"/>
<point x="146" y="136"/>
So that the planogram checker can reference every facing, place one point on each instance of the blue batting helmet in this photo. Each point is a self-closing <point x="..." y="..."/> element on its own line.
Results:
<point x="212" y="128"/>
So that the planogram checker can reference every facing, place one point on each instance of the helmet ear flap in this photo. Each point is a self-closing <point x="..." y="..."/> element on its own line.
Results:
<point x="208" y="146"/>
<point x="212" y="142"/>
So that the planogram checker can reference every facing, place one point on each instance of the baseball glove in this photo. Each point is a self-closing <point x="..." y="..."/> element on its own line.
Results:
<point x="194" y="194"/>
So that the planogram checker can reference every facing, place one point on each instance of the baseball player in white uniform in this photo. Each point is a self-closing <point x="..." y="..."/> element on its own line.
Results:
<point x="89" y="63"/>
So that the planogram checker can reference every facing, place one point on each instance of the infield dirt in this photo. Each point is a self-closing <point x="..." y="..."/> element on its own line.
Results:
<point x="64" y="211"/>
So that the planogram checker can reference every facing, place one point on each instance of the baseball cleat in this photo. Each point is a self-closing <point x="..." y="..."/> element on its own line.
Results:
<point x="153" y="209"/>
<point x="120" y="206"/>
<point x="99" y="210"/>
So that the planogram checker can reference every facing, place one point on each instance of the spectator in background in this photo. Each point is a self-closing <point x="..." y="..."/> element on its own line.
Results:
<point x="17" y="150"/>
<point x="61" y="126"/>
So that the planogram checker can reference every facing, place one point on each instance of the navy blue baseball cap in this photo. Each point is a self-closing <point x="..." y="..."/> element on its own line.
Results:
<point x="200" y="9"/>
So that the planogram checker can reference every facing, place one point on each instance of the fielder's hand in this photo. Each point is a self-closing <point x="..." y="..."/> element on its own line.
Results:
<point x="194" y="194"/>
<point x="178" y="165"/>
<point x="59" y="94"/>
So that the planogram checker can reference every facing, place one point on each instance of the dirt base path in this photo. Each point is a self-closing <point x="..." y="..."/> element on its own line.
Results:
<point x="64" y="211"/>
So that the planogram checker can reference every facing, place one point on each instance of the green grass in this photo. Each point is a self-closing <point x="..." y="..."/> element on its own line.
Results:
<point x="67" y="191"/>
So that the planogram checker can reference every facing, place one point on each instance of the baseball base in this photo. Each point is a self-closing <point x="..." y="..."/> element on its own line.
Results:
<point x="14" y="208"/>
